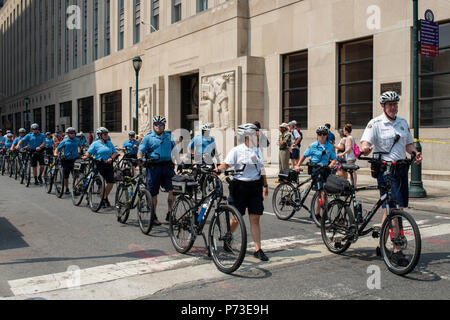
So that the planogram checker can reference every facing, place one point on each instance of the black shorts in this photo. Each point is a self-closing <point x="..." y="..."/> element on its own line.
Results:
<point x="67" y="166"/>
<point x="249" y="195"/>
<point x="37" y="157"/>
<point x="106" y="171"/>
<point x="322" y="175"/>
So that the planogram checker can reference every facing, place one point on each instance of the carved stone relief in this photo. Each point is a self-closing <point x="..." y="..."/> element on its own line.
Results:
<point x="144" y="109"/>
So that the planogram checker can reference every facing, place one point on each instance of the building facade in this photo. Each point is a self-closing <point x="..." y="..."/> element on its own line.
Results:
<point x="68" y="63"/>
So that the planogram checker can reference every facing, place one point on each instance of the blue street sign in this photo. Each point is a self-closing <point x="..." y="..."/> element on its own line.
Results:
<point x="429" y="33"/>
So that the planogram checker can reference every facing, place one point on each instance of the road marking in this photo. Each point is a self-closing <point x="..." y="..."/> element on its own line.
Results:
<point x="133" y="274"/>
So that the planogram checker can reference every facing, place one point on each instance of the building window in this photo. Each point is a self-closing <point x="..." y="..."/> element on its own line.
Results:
<point x="355" y="83"/>
<point x="295" y="88"/>
<point x="155" y="16"/>
<point x="37" y="116"/>
<point x="52" y="43"/>
<point x="50" y="118"/>
<point x="85" y="17"/>
<point x="121" y="25"/>
<point x="107" y="27"/>
<point x="95" y="39"/>
<point x="434" y="84"/>
<point x="202" y="5"/>
<point x="65" y="115"/>
<point x="86" y="114"/>
<point x="17" y="121"/>
<point x="112" y="111"/>
<point x="137" y="21"/>
<point x="176" y="11"/>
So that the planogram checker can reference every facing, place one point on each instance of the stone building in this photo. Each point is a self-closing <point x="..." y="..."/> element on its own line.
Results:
<point x="68" y="63"/>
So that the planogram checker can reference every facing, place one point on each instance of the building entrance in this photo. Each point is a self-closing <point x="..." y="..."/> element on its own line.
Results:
<point x="189" y="102"/>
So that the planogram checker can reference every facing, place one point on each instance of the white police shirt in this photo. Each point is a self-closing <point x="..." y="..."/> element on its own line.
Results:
<point x="251" y="157"/>
<point x="380" y="133"/>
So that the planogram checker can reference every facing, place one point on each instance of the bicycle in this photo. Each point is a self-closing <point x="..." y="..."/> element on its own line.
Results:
<point x="399" y="231"/>
<point x="54" y="176"/>
<point x="290" y="196"/>
<point x="128" y="198"/>
<point x="26" y="168"/>
<point x="88" y="181"/>
<point x="189" y="216"/>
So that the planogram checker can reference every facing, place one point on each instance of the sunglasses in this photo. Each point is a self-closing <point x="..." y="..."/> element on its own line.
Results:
<point x="322" y="134"/>
<point x="159" y="124"/>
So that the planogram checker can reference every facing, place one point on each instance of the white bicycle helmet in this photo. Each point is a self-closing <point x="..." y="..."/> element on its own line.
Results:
<point x="322" y="129"/>
<point x="131" y="134"/>
<point x="159" y="119"/>
<point x="247" y="129"/>
<point x="205" y="127"/>
<point x="389" y="96"/>
<point x="102" y="130"/>
<point x="22" y="130"/>
<point x="71" y="130"/>
<point x="34" y="126"/>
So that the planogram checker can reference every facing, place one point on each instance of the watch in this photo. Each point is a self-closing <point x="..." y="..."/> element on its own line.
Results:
<point x="266" y="186"/>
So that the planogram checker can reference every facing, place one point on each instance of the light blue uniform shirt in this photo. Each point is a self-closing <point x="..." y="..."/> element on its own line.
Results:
<point x="8" y="143"/>
<point x="2" y="141"/>
<point x="317" y="154"/>
<point x="83" y="141"/>
<point x="48" y="143"/>
<point x="70" y="147"/>
<point x="16" y="142"/>
<point x="34" y="140"/>
<point x="129" y="146"/>
<point x="155" y="146"/>
<point x="102" y="151"/>
<point x="202" y="145"/>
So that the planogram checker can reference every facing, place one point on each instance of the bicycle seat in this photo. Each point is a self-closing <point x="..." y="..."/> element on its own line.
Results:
<point x="350" y="167"/>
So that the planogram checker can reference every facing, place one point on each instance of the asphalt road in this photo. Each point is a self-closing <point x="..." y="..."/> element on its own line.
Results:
<point x="43" y="235"/>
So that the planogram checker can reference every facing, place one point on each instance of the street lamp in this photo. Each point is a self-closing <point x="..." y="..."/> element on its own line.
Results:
<point x="27" y="116"/>
<point x="137" y="64"/>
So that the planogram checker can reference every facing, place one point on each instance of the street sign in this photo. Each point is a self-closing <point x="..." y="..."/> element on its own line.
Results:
<point x="429" y="35"/>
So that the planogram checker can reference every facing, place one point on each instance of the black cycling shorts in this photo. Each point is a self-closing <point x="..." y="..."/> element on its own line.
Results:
<point x="67" y="166"/>
<point x="106" y="171"/>
<point x="37" y="157"/>
<point x="248" y="195"/>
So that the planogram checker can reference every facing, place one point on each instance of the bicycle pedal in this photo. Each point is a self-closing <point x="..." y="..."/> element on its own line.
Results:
<point x="375" y="234"/>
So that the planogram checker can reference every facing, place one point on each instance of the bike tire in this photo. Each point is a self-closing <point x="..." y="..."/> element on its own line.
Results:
<point x="145" y="211"/>
<point x="279" y="204"/>
<point x="16" y="169"/>
<point x="227" y="248"/>
<point x="122" y="203"/>
<point x="96" y="193"/>
<point x="28" y="174"/>
<point x="412" y="230"/>
<point x="336" y="220"/>
<point x="78" y="189"/>
<point x="317" y="218"/>
<point x="2" y="165"/>
<point x="59" y="183"/>
<point x="182" y="225"/>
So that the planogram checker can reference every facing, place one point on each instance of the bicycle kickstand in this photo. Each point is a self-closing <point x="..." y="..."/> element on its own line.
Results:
<point x="206" y="244"/>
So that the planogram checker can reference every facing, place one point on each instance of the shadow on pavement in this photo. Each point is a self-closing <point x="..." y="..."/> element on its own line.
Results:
<point x="10" y="236"/>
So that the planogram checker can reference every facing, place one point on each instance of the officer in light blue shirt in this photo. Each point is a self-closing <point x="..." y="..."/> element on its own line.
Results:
<point x="22" y="133"/>
<point x="203" y="146"/>
<point x="36" y="142"/>
<point x="71" y="149"/>
<point x="9" y="141"/>
<point x="131" y="146"/>
<point x="82" y="138"/>
<point x="103" y="149"/>
<point x="159" y="145"/>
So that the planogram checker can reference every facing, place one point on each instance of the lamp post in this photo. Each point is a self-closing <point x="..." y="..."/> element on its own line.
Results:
<point x="416" y="189"/>
<point x="137" y="64"/>
<point x="27" y="116"/>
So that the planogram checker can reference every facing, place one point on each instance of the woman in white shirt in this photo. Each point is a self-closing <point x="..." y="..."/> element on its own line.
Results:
<point x="349" y="153"/>
<point x="250" y="186"/>
<point x="341" y="147"/>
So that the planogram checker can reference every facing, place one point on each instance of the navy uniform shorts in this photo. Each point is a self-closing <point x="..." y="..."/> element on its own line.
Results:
<point x="159" y="175"/>
<point x="399" y="186"/>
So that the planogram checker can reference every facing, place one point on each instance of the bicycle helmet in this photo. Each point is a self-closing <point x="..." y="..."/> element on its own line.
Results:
<point x="34" y="126"/>
<point x="205" y="127"/>
<point x="131" y="133"/>
<point x="8" y="131"/>
<point x="322" y="129"/>
<point x="71" y="130"/>
<point x="48" y="133"/>
<point x="102" y="130"/>
<point x="22" y="130"/>
<point x="159" y="119"/>
<point x="79" y="134"/>
<point x="389" y="96"/>
<point x="247" y="129"/>
<point x="9" y="135"/>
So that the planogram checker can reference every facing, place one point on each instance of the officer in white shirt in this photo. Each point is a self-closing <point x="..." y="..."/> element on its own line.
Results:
<point x="250" y="186"/>
<point x="379" y="136"/>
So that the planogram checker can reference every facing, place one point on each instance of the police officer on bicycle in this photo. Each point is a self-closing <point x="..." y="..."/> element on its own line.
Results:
<point x="131" y="146"/>
<point x="159" y="145"/>
<point x="71" y="148"/>
<point x="36" y="142"/>
<point x="321" y="153"/>
<point x="380" y="137"/>
<point x="203" y="146"/>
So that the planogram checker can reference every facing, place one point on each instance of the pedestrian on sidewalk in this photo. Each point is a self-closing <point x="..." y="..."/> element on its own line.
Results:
<point x="349" y="154"/>
<point x="331" y="138"/>
<point x="380" y="136"/>
<point x="295" y="144"/>
<point x="284" y="143"/>
<point x="341" y="159"/>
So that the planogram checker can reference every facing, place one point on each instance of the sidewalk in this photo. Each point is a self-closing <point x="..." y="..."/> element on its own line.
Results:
<point x="437" y="200"/>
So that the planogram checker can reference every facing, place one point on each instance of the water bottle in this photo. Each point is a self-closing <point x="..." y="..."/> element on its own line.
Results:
<point x="202" y="212"/>
<point x="130" y="192"/>
<point x="358" y="211"/>
<point x="86" y="181"/>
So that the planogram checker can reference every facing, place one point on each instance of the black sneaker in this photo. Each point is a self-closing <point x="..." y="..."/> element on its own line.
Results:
<point x="260" y="255"/>
<point x="36" y="182"/>
<point x="168" y="217"/>
<point x="40" y="180"/>
<point x="67" y="191"/>
<point x="399" y="259"/>
<point x="106" y="204"/>
<point x="156" y="222"/>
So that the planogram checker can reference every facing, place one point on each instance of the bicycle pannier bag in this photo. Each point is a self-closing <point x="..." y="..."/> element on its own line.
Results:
<point x="337" y="185"/>
<point x="288" y="175"/>
<point x="183" y="184"/>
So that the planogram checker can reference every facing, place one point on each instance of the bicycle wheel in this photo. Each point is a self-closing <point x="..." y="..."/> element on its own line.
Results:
<point x="400" y="242"/>
<point x="23" y="171"/>
<point x="59" y="182"/>
<point x="316" y="217"/>
<point x="284" y="200"/>
<point x="28" y="174"/>
<point x="3" y="165"/>
<point x="145" y="211"/>
<point x="96" y="193"/>
<point x="16" y="168"/>
<point x="122" y="203"/>
<point x="335" y="227"/>
<point x="11" y="167"/>
<point x="227" y="239"/>
<point x="182" y="225"/>
<point x="78" y="188"/>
